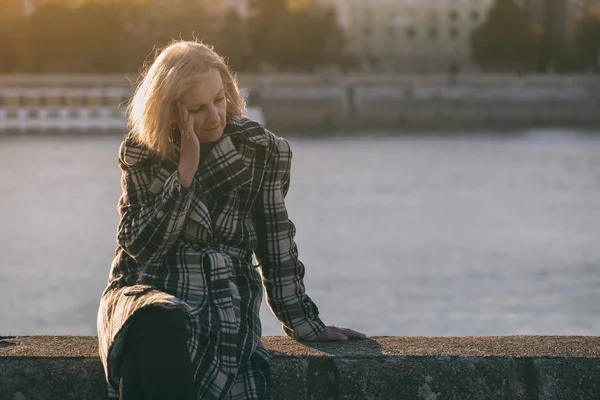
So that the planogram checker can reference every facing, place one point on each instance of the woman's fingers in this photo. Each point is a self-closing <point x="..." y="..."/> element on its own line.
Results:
<point x="352" y="333"/>
<point x="331" y="334"/>
<point x="190" y="126"/>
<point x="182" y="118"/>
<point x="189" y="156"/>
<point x="186" y="121"/>
<point x="334" y="333"/>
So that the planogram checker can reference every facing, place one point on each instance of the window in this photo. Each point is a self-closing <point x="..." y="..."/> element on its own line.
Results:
<point x="474" y="15"/>
<point x="433" y="16"/>
<point x="367" y="31"/>
<point x="453" y="15"/>
<point x="411" y="33"/>
<point x="433" y="33"/>
<point x="453" y="33"/>
<point x="373" y="61"/>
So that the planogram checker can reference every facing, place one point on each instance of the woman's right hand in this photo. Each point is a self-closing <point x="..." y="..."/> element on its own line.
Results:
<point x="189" y="157"/>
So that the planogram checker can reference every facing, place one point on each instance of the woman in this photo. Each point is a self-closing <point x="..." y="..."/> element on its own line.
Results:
<point x="203" y="191"/>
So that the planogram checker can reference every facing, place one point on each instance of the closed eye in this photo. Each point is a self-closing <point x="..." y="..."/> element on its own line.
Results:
<point x="199" y="109"/>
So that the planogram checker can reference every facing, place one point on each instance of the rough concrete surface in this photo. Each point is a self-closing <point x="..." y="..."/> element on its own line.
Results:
<point x="429" y="368"/>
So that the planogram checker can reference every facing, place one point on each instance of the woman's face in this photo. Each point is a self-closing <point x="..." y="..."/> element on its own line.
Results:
<point x="207" y="104"/>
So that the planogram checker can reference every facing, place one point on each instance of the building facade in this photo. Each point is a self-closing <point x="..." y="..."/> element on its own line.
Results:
<point x="434" y="35"/>
<point x="411" y="35"/>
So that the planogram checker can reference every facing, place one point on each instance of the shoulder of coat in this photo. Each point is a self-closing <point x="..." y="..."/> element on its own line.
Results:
<point x="132" y="153"/>
<point x="251" y="131"/>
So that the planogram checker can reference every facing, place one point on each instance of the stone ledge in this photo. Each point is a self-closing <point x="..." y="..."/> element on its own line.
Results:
<point x="429" y="368"/>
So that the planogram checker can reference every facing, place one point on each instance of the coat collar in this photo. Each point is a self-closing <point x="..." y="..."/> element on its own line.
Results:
<point x="220" y="173"/>
<point x="223" y="170"/>
<point x="245" y="129"/>
<point x="240" y="128"/>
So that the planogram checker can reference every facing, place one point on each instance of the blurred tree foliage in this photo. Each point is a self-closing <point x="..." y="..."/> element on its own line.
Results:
<point x="296" y="35"/>
<point x="507" y="40"/>
<point x="106" y="36"/>
<point x="232" y="41"/>
<point x="587" y="40"/>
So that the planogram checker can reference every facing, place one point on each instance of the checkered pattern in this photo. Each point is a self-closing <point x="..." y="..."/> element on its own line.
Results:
<point x="192" y="250"/>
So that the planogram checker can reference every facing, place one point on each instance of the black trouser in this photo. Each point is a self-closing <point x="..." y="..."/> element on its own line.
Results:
<point x="156" y="363"/>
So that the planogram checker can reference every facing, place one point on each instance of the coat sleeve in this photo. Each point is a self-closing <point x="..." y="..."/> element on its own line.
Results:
<point x="282" y="271"/>
<point x="152" y="209"/>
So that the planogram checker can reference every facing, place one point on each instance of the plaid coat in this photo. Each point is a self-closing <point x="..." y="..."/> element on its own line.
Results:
<point x="193" y="249"/>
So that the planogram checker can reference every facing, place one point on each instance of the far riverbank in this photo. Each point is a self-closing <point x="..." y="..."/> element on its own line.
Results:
<point x="355" y="103"/>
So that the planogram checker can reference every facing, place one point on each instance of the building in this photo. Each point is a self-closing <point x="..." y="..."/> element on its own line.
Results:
<point x="411" y="35"/>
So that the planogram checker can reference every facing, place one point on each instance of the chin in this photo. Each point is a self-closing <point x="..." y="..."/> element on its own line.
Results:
<point x="211" y="136"/>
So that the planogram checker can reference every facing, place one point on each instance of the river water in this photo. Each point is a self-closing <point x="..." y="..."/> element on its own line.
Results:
<point x="413" y="235"/>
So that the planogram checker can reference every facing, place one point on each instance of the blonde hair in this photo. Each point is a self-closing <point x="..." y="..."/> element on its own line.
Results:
<point x="175" y="69"/>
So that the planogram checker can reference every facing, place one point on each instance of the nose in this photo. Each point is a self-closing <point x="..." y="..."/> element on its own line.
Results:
<point x="213" y="118"/>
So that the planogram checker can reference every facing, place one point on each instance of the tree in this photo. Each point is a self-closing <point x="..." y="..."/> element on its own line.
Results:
<point x="12" y="35"/>
<point x="295" y="34"/>
<point x="106" y="36"/>
<point x="232" y="40"/>
<point x="587" y="40"/>
<point x="264" y="15"/>
<point x="51" y="38"/>
<point x="97" y="29"/>
<point x="507" y="40"/>
<point x="305" y="40"/>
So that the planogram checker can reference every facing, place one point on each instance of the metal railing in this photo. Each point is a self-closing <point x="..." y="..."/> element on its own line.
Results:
<point x="62" y="118"/>
<point x="66" y="109"/>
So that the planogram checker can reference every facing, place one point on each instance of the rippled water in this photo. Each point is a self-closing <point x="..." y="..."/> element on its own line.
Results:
<point x="429" y="235"/>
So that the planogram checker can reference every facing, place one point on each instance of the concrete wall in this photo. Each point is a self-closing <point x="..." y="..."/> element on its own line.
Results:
<point x="365" y="102"/>
<point x="382" y="368"/>
<point x="319" y="103"/>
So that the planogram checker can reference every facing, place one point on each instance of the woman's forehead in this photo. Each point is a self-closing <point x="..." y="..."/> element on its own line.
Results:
<point x="204" y="90"/>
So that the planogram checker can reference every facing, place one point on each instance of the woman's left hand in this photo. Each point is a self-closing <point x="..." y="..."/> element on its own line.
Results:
<point x="333" y="333"/>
